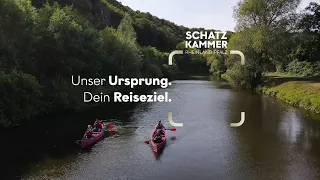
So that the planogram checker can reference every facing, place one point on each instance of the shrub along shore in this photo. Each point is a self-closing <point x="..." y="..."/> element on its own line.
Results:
<point x="298" y="91"/>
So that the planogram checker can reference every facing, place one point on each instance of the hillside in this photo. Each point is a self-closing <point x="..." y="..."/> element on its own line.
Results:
<point x="151" y="30"/>
<point x="43" y="44"/>
<point x="159" y="33"/>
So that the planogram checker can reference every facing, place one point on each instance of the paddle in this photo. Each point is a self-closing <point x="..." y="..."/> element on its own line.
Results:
<point x="110" y="126"/>
<point x="147" y="142"/>
<point x="171" y="129"/>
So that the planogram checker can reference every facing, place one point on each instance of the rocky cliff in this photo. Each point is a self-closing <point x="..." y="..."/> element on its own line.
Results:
<point x="97" y="10"/>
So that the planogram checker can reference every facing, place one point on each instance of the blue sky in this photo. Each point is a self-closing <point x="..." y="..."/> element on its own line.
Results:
<point x="210" y="14"/>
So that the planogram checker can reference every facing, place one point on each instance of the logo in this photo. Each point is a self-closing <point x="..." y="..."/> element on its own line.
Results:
<point x="206" y="42"/>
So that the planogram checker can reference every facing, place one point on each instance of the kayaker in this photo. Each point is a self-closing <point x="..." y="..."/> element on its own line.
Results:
<point x="97" y="126"/>
<point x="158" y="136"/>
<point x="89" y="132"/>
<point x="160" y="126"/>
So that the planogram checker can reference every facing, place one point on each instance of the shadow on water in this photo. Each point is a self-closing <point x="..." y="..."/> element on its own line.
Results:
<point x="51" y="137"/>
<point x="157" y="155"/>
<point x="173" y="138"/>
<point x="170" y="141"/>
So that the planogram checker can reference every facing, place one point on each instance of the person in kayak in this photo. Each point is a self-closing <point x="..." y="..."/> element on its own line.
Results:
<point x="158" y="136"/>
<point x="97" y="126"/>
<point x="160" y="126"/>
<point x="89" y="132"/>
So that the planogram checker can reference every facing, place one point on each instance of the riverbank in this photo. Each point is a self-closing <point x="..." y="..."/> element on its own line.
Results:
<point x="82" y="107"/>
<point x="298" y="91"/>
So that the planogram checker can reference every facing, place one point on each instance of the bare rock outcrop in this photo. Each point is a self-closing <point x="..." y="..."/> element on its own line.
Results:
<point x="99" y="12"/>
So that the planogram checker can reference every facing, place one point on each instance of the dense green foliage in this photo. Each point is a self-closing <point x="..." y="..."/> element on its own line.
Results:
<point x="155" y="63"/>
<point x="151" y="31"/>
<point x="273" y="37"/>
<point x="192" y="63"/>
<point x="41" y="48"/>
<point x="19" y="95"/>
<point x="304" y="68"/>
<point x="308" y="41"/>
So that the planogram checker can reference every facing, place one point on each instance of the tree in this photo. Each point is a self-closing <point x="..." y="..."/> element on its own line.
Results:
<point x="192" y="63"/>
<point x="126" y="29"/>
<point x="260" y="24"/>
<point x="128" y="56"/>
<point x="217" y="63"/>
<point x="310" y="20"/>
<point x="308" y="42"/>
<point x="19" y="97"/>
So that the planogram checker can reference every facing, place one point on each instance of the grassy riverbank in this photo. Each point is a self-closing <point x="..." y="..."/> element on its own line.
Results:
<point x="298" y="91"/>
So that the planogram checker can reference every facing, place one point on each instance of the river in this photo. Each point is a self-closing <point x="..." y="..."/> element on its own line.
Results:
<point x="277" y="141"/>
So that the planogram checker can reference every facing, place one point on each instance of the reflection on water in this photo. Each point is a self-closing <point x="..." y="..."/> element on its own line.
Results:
<point x="157" y="155"/>
<point x="278" y="138"/>
<point x="276" y="141"/>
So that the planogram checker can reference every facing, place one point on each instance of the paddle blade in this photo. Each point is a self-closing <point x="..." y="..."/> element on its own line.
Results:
<point x="110" y="127"/>
<point x="147" y="142"/>
<point x="173" y="129"/>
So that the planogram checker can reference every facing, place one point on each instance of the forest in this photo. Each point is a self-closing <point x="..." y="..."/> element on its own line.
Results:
<point x="43" y="43"/>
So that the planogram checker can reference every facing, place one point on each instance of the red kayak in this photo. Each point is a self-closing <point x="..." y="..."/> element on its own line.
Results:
<point x="96" y="136"/>
<point x="158" y="145"/>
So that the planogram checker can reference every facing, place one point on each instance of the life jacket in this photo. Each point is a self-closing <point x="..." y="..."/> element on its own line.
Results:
<point x="159" y="126"/>
<point x="157" y="136"/>
<point x="89" y="133"/>
<point x="98" y="125"/>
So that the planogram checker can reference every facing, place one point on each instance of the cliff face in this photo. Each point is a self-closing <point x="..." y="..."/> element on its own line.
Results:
<point x="99" y="12"/>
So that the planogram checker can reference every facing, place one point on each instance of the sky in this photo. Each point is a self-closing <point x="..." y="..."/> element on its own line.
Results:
<point x="209" y="14"/>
